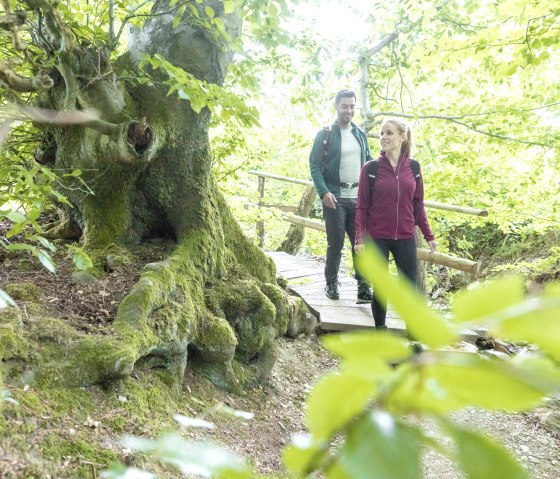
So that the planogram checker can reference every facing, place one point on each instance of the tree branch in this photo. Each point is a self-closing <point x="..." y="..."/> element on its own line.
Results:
<point x="12" y="23"/>
<point x="20" y="84"/>
<point x="455" y="119"/>
<point x="382" y="44"/>
<point x="364" y="62"/>
<point x="132" y="15"/>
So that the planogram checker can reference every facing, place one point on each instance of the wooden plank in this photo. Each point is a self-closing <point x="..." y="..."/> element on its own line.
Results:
<point x="306" y="280"/>
<point x="299" y="273"/>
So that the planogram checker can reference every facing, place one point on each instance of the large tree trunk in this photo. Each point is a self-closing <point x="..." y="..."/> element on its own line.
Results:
<point x="147" y="164"/>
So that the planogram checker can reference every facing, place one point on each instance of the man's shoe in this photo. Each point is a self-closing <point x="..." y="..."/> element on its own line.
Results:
<point x="331" y="290"/>
<point x="365" y="295"/>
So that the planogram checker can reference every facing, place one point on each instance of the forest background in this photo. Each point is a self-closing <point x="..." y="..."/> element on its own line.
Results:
<point x="477" y="81"/>
<point x="477" y="84"/>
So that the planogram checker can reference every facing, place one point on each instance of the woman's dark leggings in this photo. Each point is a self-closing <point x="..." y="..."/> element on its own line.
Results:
<point x="404" y="254"/>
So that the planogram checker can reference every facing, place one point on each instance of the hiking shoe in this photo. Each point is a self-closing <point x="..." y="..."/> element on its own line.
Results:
<point x="365" y="295"/>
<point x="331" y="290"/>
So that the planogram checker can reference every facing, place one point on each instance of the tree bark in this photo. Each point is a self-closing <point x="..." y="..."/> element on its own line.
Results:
<point x="146" y="173"/>
<point x="296" y="233"/>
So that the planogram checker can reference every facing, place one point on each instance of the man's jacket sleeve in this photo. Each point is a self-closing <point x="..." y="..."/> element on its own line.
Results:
<point x="315" y="160"/>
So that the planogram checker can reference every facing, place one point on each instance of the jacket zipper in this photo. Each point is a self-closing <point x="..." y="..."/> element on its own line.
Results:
<point x="398" y="199"/>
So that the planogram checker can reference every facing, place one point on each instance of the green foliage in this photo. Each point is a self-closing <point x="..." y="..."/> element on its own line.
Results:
<point x="489" y="456"/>
<point x="539" y="269"/>
<point x="200" y="458"/>
<point x="363" y="418"/>
<point x="431" y="384"/>
<point x="223" y="104"/>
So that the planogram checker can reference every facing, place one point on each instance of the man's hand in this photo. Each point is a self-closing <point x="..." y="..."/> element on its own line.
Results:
<point x="329" y="200"/>
<point x="359" y="248"/>
<point x="433" y="246"/>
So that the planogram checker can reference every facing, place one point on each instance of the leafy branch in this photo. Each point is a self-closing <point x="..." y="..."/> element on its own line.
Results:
<point x="370" y="118"/>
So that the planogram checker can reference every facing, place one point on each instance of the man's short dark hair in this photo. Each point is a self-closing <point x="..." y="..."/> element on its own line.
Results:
<point x="344" y="94"/>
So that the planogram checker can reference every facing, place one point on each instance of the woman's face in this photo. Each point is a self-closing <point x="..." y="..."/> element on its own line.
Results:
<point x="391" y="138"/>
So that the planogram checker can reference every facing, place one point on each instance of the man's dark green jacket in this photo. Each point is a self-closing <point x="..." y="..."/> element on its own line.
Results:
<point x="332" y="164"/>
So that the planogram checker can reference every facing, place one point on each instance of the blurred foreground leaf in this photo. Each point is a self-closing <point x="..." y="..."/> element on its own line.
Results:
<point x="481" y="458"/>
<point x="423" y="324"/>
<point x="379" y="447"/>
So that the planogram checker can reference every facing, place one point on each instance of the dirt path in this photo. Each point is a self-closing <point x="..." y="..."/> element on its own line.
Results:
<point x="279" y="412"/>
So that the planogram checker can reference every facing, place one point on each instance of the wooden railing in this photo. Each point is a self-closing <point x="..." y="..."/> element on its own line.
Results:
<point x="423" y="254"/>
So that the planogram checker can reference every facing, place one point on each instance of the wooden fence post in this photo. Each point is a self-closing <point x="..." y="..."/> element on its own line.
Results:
<point x="260" y="223"/>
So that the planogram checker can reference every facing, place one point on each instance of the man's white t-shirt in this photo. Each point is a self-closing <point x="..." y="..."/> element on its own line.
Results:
<point x="350" y="165"/>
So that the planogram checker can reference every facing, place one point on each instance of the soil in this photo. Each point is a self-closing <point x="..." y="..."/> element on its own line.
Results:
<point x="279" y="406"/>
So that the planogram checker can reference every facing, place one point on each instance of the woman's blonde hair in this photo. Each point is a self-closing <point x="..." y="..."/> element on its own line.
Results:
<point x="404" y="128"/>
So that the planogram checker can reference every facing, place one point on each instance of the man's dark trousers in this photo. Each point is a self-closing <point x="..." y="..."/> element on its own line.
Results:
<point x="338" y="222"/>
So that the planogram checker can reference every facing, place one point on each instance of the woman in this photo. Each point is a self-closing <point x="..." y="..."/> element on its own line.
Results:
<point x="390" y="204"/>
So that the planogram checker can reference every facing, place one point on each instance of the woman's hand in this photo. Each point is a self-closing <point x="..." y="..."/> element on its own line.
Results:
<point x="358" y="248"/>
<point x="433" y="246"/>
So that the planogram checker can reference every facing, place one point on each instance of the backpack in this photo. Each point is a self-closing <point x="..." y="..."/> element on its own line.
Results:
<point x="372" y="173"/>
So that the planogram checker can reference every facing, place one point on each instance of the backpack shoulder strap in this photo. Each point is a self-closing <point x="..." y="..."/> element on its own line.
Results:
<point x="415" y="166"/>
<point x="326" y="144"/>
<point x="415" y="169"/>
<point x="372" y="173"/>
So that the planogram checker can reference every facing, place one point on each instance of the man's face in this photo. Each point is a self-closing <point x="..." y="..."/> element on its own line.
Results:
<point x="345" y="110"/>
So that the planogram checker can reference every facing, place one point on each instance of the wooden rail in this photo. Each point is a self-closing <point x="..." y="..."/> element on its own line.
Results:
<point x="423" y="254"/>
<point x="427" y="204"/>
<point x="450" y="261"/>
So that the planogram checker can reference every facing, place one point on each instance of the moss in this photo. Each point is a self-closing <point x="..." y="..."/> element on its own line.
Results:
<point x="282" y="281"/>
<point x="12" y="343"/>
<point x="280" y="301"/>
<point x="249" y="311"/>
<point x="99" y="359"/>
<point x="27" y="292"/>
<point x="147" y="406"/>
<point x="80" y="448"/>
<point x="216" y="340"/>
<point x="107" y="214"/>
<point x="53" y="330"/>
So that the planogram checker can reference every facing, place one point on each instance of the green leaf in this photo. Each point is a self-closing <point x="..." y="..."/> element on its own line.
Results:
<point x="537" y="320"/>
<point x="81" y="260"/>
<point x="336" y="399"/>
<point x="123" y="472"/>
<point x="75" y="173"/>
<point x="367" y="346"/>
<point x="16" y="217"/>
<point x="5" y="300"/>
<point x="381" y="447"/>
<point x="209" y="11"/>
<point x="46" y="260"/>
<point x="34" y="213"/>
<point x="480" y="458"/>
<point x="229" y="6"/>
<point x="448" y="381"/>
<point x="422" y="323"/>
<point x="303" y="455"/>
<point x="22" y="247"/>
<point x="46" y="243"/>
<point x="192" y="458"/>
<point x="482" y="302"/>
<point x="183" y="94"/>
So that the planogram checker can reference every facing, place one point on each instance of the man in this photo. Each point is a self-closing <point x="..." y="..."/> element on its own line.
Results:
<point x="335" y="162"/>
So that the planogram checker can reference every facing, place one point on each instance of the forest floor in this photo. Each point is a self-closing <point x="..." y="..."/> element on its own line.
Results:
<point x="46" y="433"/>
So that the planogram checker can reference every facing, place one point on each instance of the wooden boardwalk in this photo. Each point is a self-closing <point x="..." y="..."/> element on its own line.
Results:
<point x="306" y="279"/>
